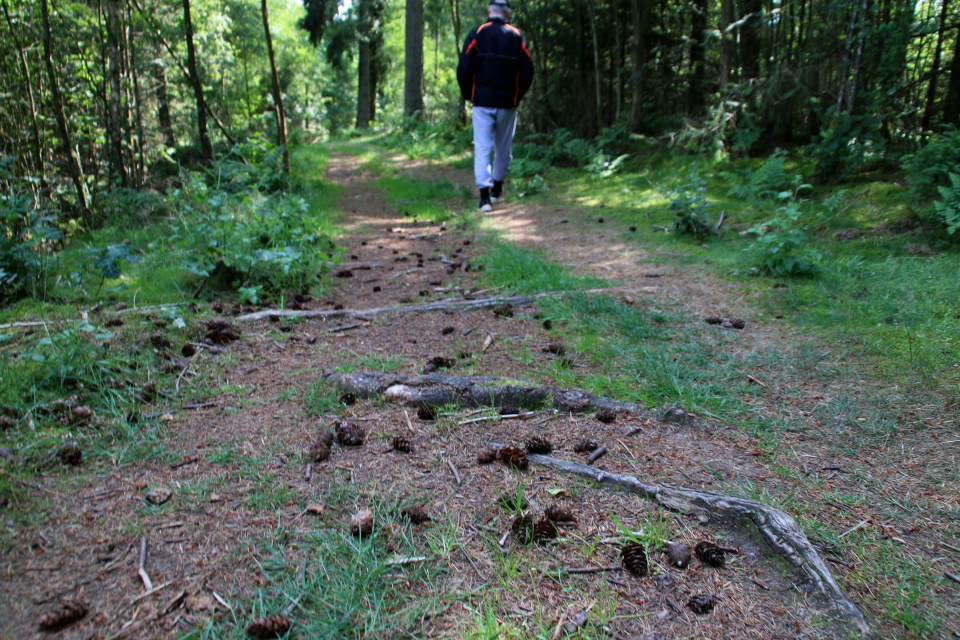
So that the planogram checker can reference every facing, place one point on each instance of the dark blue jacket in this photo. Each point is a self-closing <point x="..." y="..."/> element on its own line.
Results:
<point x="495" y="68"/>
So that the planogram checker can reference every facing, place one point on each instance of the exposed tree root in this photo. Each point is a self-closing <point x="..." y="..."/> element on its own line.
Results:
<point x="780" y="531"/>
<point x="438" y="389"/>
<point x="443" y="305"/>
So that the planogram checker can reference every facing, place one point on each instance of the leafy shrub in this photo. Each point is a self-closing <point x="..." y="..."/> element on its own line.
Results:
<point x="690" y="205"/>
<point x="771" y="178"/>
<point x="846" y="145"/>
<point x="603" y="166"/>
<point x="949" y="208"/>
<point x="781" y="247"/>
<point x="929" y="167"/>
<point x="530" y="186"/>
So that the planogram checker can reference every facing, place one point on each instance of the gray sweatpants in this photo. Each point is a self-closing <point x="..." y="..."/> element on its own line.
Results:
<point x="493" y="131"/>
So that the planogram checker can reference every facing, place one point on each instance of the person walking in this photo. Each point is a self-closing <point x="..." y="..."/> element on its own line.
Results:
<point x="494" y="73"/>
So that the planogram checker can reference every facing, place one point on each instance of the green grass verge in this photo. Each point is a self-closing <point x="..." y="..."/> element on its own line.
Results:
<point x="431" y="201"/>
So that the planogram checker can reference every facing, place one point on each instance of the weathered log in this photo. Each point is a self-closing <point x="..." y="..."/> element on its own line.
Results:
<point x="781" y="531"/>
<point x="443" y="305"/>
<point x="438" y="389"/>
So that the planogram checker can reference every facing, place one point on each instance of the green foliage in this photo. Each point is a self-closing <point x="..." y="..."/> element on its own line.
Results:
<point x="108" y="260"/>
<point x="949" y="208"/>
<point x="929" y="166"/>
<point x="690" y="204"/>
<point x="763" y="183"/>
<point x="781" y="248"/>
<point x="435" y="201"/>
<point x="846" y="145"/>
<point x="507" y="266"/>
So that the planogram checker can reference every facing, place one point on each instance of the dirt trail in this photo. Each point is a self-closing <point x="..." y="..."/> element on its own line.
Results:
<point x="237" y="470"/>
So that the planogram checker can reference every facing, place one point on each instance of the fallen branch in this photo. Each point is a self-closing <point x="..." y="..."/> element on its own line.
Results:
<point x="456" y="474"/>
<point x="141" y="571"/>
<point x="598" y="453"/>
<point x="611" y="567"/>
<point x="366" y="314"/>
<point x="438" y="389"/>
<point x="779" y="529"/>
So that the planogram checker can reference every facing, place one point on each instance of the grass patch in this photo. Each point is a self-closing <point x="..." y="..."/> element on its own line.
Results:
<point x="421" y="200"/>
<point x="509" y="267"/>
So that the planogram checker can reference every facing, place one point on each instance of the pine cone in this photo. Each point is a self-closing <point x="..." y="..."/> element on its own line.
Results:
<point x="606" y="416"/>
<point x="361" y="525"/>
<point x="559" y="513"/>
<point x="160" y="341"/>
<point x="442" y="362"/>
<point x="417" y="514"/>
<point x="326" y="437"/>
<point x="348" y="399"/>
<point x="504" y="310"/>
<point x="547" y="324"/>
<point x="678" y="554"/>
<point x="634" y="558"/>
<point x="737" y="323"/>
<point x="713" y="320"/>
<point x="710" y="554"/>
<point x="585" y="446"/>
<point x="319" y="451"/>
<point x="67" y="612"/>
<point x="271" y="627"/>
<point x="539" y="444"/>
<point x="222" y="332"/>
<point x="70" y="453"/>
<point x="487" y="455"/>
<point x="350" y="434"/>
<point x="402" y="444"/>
<point x="556" y="348"/>
<point x="702" y="603"/>
<point x="513" y="457"/>
<point x="522" y="528"/>
<point x="545" y="530"/>
<point x="427" y="413"/>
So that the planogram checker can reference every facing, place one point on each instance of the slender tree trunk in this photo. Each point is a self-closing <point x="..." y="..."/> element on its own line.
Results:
<point x="34" y="125"/>
<point x="726" y="18"/>
<point x="115" y="128"/>
<point x="750" y="39"/>
<point x="73" y="164"/>
<point x="858" y="61"/>
<point x="698" y="30"/>
<point x="458" y="42"/>
<point x="376" y="50"/>
<point x="951" y="108"/>
<point x="617" y="59"/>
<point x="413" y="60"/>
<point x="596" y="65"/>
<point x="163" y="102"/>
<point x="641" y="56"/>
<point x="133" y="68"/>
<point x="277" y="94"/>
<point x="363" y="66"/>
<point x="206" y="147"/>
<point x="935" y="70"/>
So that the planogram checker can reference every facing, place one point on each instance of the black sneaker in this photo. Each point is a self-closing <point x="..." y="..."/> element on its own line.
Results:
<point x="497" y="192"/>
<point x="485" y="205"/>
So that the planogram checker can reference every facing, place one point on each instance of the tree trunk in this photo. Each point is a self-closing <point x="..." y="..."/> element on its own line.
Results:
<point x="363" y="67"/>
<point x="596" y="65"/>
<point x="277" y="94"/>
<point x="73" y="164"/>
<point x="163" y="102"/>
<point x="951" y="108"/>
<point x="413" y="60"/>
<point x="34" y="125"/>
<point x="458" y="42"/>
<point x="641" y="56"/>
<point x="858" y="61"/>
<point x="133" y="69"/>
<point x="698" y="31"/>
<point x="726" y="18"/>
<point x="935" y="70"/>
<point x="206" y="148"/>
<point x="115" y="124"/>
<point x="750" y="39"/>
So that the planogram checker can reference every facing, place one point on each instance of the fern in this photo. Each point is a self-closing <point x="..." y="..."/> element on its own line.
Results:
<point x="949" y="208"/>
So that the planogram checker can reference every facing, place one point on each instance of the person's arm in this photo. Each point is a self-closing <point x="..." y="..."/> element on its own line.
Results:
<point x="467" y="66"/>
<point x="525" y="78"/>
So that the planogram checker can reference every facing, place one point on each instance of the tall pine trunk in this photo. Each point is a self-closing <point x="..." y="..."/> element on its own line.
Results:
<point x="641" y="56"/>
<point x="698" y="30"/>
<point x="363" y="66"/>
<point x="750" y="39"/>
<point x="726" y="46"/>
<point x="413" y="60"/>
<point x="206" y="148"/>
<point x="935" y="70"/>
<point x="951" y="108"/>
<point x="458" y="42"/>
<point x="115" y="119"/>
<point x="163" y="102"/>
<point x="73" y="163"/>
<point x="277" y="94"/>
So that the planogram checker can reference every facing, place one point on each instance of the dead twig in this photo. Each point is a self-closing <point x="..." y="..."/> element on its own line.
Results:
<point x="597" y="454"/>
<point x="183" y="463"/>
<point x="598" y="569"/>
<point x="456" y="474"/>
<point x="952" y="576"/>
<point x="141" y="571"/>
<point x="345" y="327"/>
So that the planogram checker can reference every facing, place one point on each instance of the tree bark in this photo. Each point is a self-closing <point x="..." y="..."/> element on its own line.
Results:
<point x="726" y="18"/>
<point x="115" y="120"/>
<point x="698" y="30"/>
<point x="206" y="148"/>
<point x="34" y="125"/>
<point x="951" y="108"/>
<point x="457" y="43"/>
<point x="935" y="70"/>
<point x="751" y="39"/>
<point x="73" y="163"/>
<point x="413" y="60"/>
<point x="363" y="84"/>
<point x="277" y="94"/>
<point x="163" y="102"/>
<point x="596" y="66"/>
<point x="641" y="56"/>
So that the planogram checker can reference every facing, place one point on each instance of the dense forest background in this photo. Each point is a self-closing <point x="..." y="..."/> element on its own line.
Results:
<point x="106" y="103"/>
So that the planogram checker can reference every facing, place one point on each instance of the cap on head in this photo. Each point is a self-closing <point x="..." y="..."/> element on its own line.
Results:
<point x="503" y="4"/>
